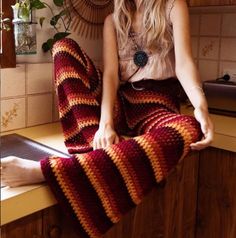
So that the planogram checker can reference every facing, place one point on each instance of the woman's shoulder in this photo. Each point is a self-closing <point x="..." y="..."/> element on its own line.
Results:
<point x="109" y="20"/>
<point x="109" y="30"/>
<point x="109" y="25"/>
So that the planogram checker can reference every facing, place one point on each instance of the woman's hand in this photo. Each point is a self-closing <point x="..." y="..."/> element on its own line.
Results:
<point x="105" y="136"/>
<point x="16" y="172"/>
<point x="202" y="116"/>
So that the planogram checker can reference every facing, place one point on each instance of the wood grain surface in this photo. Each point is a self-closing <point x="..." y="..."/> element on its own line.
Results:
<point x="168" y="211"/>
<point x="217" y="194"/>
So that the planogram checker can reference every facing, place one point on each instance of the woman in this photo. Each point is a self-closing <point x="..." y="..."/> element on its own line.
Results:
<point x="146" y="47"/>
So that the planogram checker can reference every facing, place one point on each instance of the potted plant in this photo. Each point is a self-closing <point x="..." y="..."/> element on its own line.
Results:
<point x="25" y="36"/>
<point x="60" y="25"/>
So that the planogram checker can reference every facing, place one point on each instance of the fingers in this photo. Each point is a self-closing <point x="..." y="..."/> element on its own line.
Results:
<point x="205" y="142"/>
<point x="104" y="142"/>
<point x="207" y="129"/>
<point x="200" y="145"/>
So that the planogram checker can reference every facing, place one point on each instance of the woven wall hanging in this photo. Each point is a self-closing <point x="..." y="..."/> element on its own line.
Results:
<point x="88" y="16"/>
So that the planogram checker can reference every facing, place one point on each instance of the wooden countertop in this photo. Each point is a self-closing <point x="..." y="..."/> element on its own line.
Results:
<point x="25" y="200"/>
<point x="21" y="201"/>
<point x="224" y="127"/>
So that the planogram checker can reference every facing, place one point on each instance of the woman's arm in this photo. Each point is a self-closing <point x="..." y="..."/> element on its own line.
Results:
<point x="187" y="72"/>
<point x="106" y="134"/>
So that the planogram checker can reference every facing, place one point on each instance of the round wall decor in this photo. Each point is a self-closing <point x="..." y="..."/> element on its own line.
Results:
<point x="88" y="16"/>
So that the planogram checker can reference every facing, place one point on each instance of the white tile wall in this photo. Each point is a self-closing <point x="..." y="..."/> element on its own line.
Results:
<point x="228" y="49"/>
<point x="39" y="78"/>
<point x="226" y="65"/>
<point x="210" y="24"/>
<point x="27" y="96"/>
<point x="208" y="69"/>
<point x="194" y="41"/>
<point x="31" y="85"/>
<point x="209" y="48"/>
<point x="229" y="24"/>
<point x="13" y="81"/>
<point x="12" y="114"/>
<point x="39" y="109"/>
<point x="194" y="24"/>
<point x="217" y="40"/>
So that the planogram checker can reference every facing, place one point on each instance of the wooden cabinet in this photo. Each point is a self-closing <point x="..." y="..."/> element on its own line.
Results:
<point x="194" y="3"/>
<point x="49" y="223"/>
<point x="216" y="216"/>
<point x="197" y="201"/>
<point x="27" y="227"/>
<point x="168" y="211"/>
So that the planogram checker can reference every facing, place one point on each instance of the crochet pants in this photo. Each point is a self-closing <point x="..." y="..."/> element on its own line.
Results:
<point x="96" y="188"/>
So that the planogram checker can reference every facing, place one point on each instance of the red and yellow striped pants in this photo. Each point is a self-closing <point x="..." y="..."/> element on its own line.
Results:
<point x="96" y="188"/>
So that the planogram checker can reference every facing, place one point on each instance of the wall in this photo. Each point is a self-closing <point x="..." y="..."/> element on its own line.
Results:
<point x="27" y="94"/>
<point x="213" y="32"/>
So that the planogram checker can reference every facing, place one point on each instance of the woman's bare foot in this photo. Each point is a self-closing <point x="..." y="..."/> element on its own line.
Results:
<point x="16" y="172"/>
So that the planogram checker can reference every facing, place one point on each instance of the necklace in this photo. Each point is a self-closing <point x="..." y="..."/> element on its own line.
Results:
<point x="140" y="57"/>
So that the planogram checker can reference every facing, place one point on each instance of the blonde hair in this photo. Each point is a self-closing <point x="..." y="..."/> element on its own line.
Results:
<point x="154" y="22"/>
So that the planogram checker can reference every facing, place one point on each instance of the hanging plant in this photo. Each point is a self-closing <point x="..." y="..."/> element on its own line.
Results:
<point x="60" y="22"/>
<point x="23" y="11"/>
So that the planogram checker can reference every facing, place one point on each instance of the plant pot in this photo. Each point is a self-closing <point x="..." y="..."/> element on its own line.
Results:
<point x="24" y="32"/>
<point x="25" y="38"/>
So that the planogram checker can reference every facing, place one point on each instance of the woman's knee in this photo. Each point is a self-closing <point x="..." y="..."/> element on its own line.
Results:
<point x="188" y="127"/>
<point x="63" y="45"/>
<point x="183" y="126"/>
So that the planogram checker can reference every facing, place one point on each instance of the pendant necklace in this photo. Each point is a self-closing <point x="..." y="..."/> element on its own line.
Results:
<point x="140" y="57"/>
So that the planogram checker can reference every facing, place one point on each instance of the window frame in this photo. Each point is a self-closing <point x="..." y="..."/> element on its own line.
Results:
<point x="8" y="55"/>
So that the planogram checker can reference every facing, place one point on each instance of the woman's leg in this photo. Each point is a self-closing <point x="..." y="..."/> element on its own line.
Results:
<point x="99" y="187"/>
<point x="78" y="85"/>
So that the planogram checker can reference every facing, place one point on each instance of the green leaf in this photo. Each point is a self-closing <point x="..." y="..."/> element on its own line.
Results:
<point x="37" y="4"/>
<point x="60" y="35"/>
<point x="24" y="13"/>
<point x="17" y="5"/>
<point x="41" y="20"/>
<point x="58" y="3"/>
<point x="48" y="45"/>
<point x="45" y="47"/>
<point x="55" y="19"/>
